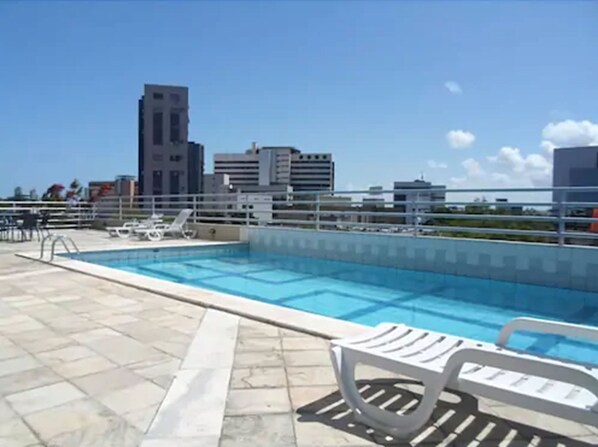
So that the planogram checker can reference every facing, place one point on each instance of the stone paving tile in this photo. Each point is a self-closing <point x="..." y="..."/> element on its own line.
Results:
<point x="25" y="380"/>
<point x="258" y="378"/>
<point x="88" y="337"/>
<point x="259" y="344"/>
<point x="305" y="395"/>
<point x="260" y="358"/>
<point x="44" y="397"/>
<point x="123" y="350"/>
<point x="136" y="397"/>
<point x="307" y="358"/>
<point x="6" y="413"/>
<point x="111" y="432"/>
<point x="513" y="416"/>
<point x="304" y="343"/>
<point x="66" y="418"/>
<point x="107" y="381"/>
<point x="14" y="433"/>
<point x="254" y="329"/>
<point x="176" y="347"/>
<point x="141" y="419"/>
<point x="275" y="430"/>
<point x="64" y="355"/>
<point x="83" y="367"/>
<point x="11" y="351"/>
<point x="310" y="375"/>
<point x="18" y="364"/>
<point x="257" y="401"/>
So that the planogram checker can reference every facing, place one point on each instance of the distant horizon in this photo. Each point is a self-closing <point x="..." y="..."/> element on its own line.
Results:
<point x="391" y="89"/>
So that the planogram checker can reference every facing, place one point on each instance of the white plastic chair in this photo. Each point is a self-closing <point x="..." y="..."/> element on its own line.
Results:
<point x="176" y="228"/>
<point x="559" y="388"/>
<point x="127" y="228"/>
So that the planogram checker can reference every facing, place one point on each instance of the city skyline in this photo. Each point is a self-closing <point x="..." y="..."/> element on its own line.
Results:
<point x="468" y="103"/>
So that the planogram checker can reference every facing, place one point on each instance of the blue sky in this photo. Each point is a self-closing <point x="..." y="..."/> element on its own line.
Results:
<point x="366" y="81"/>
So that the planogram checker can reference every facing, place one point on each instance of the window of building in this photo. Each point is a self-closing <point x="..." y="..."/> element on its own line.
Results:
<point x="309" y="157"/>
<point x="317" y="157"/>
<point x="176" y="157"/>
<point x="157" y="157"/>
<point x="156" y="182"/>
<point x="174" y="182"/>
<point x="157" y="126"/>
<point x="158" y="96"/>
<point x="175" y="127"/>
<point x="175" y="97"/>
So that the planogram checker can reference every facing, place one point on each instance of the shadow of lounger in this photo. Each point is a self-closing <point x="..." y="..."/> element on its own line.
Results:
<point x="456" y="416"/>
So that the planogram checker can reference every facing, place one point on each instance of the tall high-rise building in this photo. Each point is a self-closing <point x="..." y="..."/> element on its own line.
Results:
<point x="277" y="165"/>
<point x="168" y="162"/>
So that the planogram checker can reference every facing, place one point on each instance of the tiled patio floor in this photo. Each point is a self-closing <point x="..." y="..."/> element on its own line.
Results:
<point x="85" y="362"/>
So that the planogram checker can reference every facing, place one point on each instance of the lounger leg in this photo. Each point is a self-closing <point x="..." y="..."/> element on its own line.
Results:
<point x="400" y="426"/>
<point x="123" y="233"/>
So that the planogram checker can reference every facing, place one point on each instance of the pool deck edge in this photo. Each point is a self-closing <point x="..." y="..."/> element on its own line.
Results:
<point x="312" y="324"/>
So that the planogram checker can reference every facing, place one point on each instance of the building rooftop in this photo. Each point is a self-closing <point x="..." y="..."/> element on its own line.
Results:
<point x="87" y="361"/>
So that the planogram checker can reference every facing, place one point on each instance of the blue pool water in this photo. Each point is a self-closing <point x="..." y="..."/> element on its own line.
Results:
<point x="463" y="306"/>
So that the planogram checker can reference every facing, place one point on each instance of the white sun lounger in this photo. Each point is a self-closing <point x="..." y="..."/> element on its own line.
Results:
<point x="560" y="388"/>
<point x="127" y="228"/>
<point x="176" y="228"/>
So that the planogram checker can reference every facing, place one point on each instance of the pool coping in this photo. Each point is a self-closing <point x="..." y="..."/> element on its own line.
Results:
<point x="296" y="320"/>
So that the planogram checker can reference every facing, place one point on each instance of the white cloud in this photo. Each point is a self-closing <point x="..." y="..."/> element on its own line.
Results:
<point x="501" y="178"/>
<point x="571" y="133"/>
<point x="460" y="139"/>
<point x="533" y="168"/>
<point x="473" y="167"/>
<point x="437" y="164"/>
<point x="453" y="87"/>
<point x="457" y="181"/>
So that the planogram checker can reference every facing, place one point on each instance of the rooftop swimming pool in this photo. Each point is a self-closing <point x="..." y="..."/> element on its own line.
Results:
<point x="463" y="306"/>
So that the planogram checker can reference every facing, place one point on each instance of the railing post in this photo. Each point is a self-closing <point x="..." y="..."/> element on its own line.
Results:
<point x="153" y="205"/>
<point x="246" y="210"/>
<point x="195" y="209"/>
<point x="561" y="222"/>
<point x="120" y="208"/>
<point x="414" y="205"/>
<point x="317" y="211"/>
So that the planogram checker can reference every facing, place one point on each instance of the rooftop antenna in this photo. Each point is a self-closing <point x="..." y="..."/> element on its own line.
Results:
<point x="421" y="176"/>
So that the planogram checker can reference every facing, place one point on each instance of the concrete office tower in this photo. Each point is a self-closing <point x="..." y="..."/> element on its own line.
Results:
<point x="576" y="166"/>
<point x="277" y="165"/>
<point x="408" y="196"/>
<point x="168" y="162"/>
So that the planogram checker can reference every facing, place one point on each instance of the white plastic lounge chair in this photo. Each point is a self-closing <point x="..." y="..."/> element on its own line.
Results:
<point x="127" y="228"/>
<point x="560" y="388"/>
<point x="158" y="231"/>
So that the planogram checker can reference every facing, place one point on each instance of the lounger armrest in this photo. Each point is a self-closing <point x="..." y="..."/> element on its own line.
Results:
<point x="130" y="224"/>
<point x="545" y="327"/>
<point x="505" y="360"/>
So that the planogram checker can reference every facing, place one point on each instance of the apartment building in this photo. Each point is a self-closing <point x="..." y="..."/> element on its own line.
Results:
<point x="168" y="162"/>
<point x="277" y="165"/>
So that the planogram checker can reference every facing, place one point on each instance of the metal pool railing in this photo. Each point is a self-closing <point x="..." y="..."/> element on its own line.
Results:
<point x="60" y="214"/>
<point x="547" y="215"/>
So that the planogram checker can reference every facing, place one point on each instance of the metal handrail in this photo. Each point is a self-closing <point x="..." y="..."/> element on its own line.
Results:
<point x="55" y="238"/>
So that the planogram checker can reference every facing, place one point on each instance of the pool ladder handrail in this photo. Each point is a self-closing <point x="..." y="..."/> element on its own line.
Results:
<point x="55" y="238"/>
